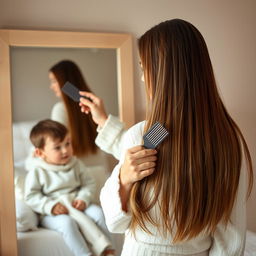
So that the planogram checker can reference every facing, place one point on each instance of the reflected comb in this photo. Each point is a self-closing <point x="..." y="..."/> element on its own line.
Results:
<point x="71" y="91"/>
<point x="154" y="136"/>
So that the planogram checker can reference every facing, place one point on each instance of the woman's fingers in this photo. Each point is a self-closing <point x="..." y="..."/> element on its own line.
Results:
<point x="86" y="102"/>
<point x="135" y="149"/>
<point x="140" y="151"/>
<point x="90" y="95"/>
<point x="146" y="159"/>
<point x="95" y="107"/>
<point x="86" y="105"/>
<point x="144" y="153"/>
<point x="139" y="163"/>
<point x="146" y="173"/>
<point x="84" y="108"/>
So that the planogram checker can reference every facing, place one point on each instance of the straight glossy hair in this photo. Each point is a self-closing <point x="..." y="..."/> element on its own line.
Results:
<point x="198" y="168"/>
<point x="81" y="126"/>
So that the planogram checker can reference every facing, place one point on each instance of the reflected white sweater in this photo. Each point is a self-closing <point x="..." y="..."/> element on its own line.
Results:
<point x="224" y="242"/>
<point x="45" y="183"/>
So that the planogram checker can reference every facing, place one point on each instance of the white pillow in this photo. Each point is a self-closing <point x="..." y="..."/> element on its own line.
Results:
<point x="21" y="141"/>
<point x="26" y="219"/>
<point x="19" y="180"/>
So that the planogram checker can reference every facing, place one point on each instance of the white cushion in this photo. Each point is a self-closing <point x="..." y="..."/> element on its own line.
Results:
<point x="26" y="219"/>
<point x="19" y="180"/>
<point x="21" y="141"/>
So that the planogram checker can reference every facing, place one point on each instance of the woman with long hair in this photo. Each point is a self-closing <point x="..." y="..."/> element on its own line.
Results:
<point x="81" y="127"/>
<point x="188" y="197"/>
<point x="87" y="131"/>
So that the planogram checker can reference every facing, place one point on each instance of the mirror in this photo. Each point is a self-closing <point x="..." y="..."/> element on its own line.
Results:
<point x="30" y="87"/>
<point x="121" y="43"/>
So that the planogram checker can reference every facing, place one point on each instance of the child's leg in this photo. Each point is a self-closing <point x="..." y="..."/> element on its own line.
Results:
<point x="68" y="228"/>
<point x="96" y="214"/>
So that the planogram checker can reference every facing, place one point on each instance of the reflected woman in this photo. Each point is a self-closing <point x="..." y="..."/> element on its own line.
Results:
<point x="66" y="111"/>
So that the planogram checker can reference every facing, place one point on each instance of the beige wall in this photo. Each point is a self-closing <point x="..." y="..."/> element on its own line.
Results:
<point x="227" y="26"/>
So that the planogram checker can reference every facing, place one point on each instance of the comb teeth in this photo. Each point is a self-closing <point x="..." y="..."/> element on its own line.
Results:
<point x="154" y="136"/>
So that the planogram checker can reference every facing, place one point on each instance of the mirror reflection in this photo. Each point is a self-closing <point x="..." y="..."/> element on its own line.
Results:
<point x="37" y="74"/>
<point x="30" y="78"/>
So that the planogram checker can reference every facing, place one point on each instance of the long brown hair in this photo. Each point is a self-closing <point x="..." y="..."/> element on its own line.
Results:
<point x="198" y="168"/>
<point x="81" y="126"/>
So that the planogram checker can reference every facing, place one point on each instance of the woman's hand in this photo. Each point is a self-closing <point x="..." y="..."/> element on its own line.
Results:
<point x="95" y="107"/>
<point x="138" y="164"/>
<point x="59" y="209"/>
<point x="79" y="204"/>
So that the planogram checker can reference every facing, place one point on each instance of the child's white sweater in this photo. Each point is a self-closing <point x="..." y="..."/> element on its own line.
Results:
<point x="45" y="183"/>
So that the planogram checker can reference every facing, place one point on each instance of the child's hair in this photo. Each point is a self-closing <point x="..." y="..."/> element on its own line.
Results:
<point x="82" y="128"/>
<point x="198" y="169"/>
<point x="47" y="128"/>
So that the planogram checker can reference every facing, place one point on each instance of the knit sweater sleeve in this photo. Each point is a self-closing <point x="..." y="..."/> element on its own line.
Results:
<point x="34" y="197"/>
<point x="230" y="240"/>
<point x="111" y="136"/>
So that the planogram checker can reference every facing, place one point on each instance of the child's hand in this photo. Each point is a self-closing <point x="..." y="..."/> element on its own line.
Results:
<point x="79" y="204"/>
<point x="59" y="209"/>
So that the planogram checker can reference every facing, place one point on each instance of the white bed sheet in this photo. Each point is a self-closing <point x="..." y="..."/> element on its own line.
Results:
<point x="250" y="247"/>
<point x="44" y="242"/>
<point x="41" y="242"/>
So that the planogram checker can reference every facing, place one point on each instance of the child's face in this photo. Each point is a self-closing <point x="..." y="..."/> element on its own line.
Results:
<point x="56" y="152"/>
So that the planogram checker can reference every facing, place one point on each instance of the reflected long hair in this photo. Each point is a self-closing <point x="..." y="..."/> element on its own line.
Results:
<point x="81" y="126"/>
<point x="197" y="174"/>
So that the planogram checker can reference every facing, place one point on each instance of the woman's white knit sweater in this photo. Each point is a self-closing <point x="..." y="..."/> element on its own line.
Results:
<point x="227" y="241"/>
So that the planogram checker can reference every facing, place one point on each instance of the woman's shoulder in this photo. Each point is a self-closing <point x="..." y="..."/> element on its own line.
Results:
<point x="137" y="128"/>
<point x="136" y="132"/>
<point x="58" y="106"/>
<point x="59" y="113"/>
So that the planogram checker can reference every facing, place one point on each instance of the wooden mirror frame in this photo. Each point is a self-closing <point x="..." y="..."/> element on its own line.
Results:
<point x="30" y="38"/>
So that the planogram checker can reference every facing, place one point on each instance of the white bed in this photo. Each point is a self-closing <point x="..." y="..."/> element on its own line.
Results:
<point x="34" y="241"/>
<point x="42" y="242"/>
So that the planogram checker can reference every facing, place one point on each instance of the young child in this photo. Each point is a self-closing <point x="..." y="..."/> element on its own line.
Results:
<point x="55" y="173"/>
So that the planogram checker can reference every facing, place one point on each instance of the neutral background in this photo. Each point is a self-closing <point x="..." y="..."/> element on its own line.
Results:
<point x="227" y="26"/>
<point x="30" y="83"/>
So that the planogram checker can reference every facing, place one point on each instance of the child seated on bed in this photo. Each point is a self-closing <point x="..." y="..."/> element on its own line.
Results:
<point x="54" y="173"/>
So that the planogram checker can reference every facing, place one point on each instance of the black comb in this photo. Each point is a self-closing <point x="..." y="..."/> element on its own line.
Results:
<point x="71" y="91"/>
<point x="154" y="136"/>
